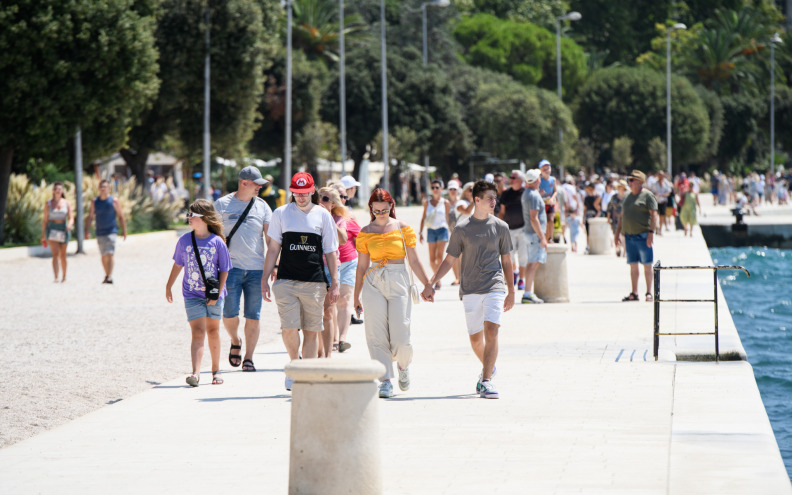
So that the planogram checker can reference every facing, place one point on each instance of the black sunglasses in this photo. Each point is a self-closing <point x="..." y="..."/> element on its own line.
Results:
<point x="344" y="197"/>
<point x="326" y="199"/>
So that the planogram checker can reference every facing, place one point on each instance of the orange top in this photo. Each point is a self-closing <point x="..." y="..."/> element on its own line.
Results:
<point x="385" y="246"/>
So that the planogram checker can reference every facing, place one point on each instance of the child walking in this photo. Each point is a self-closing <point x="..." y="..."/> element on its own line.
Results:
<point x="203" y="314"/>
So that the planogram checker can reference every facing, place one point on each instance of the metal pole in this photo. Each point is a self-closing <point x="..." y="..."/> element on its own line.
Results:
<point x="287" y="151"/>
<point x="560" y="97"/>
<point x="385" y="158"/>
<point x="668" y="104"/>
<point x="342" y="84"/>
<point x="425" y="62"/>
<point x="78" y="183"/>
<point x="206" y="137"/>
<point x="772" y="108"/>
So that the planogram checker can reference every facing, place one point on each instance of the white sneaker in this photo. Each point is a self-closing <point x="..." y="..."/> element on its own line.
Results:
<point x="385" y="390"/>
<point x="404" y="378"/>
<point x="481" y="377"/>
<point x="531" y="299"/>
<point x="488" y="390"/>
<point x="289" y="383"/>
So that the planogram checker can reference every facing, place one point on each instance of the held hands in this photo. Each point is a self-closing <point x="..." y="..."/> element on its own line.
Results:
<point x="211" y="302"/>
<point x="265" y="290"/>
<point x="421" y="237"/>
<point x="428" y="293"/>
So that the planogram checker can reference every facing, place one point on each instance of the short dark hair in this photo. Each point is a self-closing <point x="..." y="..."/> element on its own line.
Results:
<point x="104" y="181"/>
<point x="482" y="186"/>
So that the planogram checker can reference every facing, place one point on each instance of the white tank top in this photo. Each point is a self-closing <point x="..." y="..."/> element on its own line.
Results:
<point x="436" y="215"/>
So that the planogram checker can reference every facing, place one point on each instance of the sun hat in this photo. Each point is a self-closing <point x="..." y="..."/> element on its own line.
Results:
<point x="252" y="173"/>
<point x="532" y="176"/>
<point x="489" y="178"/>
<point x="637" y="175"/>
<point x="349" y="182"/>
<point x="301" y="183"/>
<point x="622" y="183"/>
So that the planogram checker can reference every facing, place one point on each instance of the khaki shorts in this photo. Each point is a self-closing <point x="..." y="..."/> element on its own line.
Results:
<point x="300" y="304"/>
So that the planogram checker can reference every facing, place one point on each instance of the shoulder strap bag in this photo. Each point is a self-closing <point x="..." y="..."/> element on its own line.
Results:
<point x="414" y="292"/>
<point x="239" y="221"/>
<point x="212" y="284"/>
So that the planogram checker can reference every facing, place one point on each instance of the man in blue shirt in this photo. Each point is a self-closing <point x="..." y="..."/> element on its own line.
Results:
<point x="105" y="208"/>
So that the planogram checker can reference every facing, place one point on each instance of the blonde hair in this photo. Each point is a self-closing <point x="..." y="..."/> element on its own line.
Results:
<point x="210" y="216"/>
<point x="335" y="199"/>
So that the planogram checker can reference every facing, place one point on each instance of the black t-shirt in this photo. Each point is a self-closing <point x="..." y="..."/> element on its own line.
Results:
<point x="301" y="258"/>
<point x="512" y="201"/>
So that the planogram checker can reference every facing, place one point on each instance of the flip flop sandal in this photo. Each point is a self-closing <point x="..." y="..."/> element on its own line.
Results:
<point x="247" y="365"/>
<point x="648" y="297"/>
<point x="232" y="358"/>
<point x="631" y="297"/>
<point x="192" y="380"/>
<point x="216" y="380"/>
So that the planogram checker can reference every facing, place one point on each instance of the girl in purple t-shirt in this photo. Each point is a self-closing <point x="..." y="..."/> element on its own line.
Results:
<point x="202" y="314"/>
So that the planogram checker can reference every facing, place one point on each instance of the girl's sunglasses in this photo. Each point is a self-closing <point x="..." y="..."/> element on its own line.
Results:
<point x="381" y="212"/>
<point x="190" y="214"/>
<point x="325" y="199"/>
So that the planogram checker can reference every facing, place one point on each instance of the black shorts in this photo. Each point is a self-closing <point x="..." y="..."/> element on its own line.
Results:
<point x="661" y="209"/>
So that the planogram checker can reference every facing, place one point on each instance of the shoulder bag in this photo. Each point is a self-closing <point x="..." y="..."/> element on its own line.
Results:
<point x="212" y="284"/>
<point x="414" y="292"/>
<point x="239" y="222"/>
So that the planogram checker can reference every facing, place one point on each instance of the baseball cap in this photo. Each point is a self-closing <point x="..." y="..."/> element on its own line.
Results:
<point x="637" y="175"/>
<point x="543" y="163"/>
<point x="489" y="178"/>
<point x="349" y="182"/>
<point x="252" y="173"/>
<point x="452" y="184"/>
<point x="532" y="176"/>
<point x="301" y="183"/>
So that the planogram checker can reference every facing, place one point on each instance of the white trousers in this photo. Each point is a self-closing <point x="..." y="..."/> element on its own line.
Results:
<point x="387" y="304"/>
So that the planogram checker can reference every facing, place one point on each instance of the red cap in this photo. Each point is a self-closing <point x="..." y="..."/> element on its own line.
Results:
<point x="301" y="183"/>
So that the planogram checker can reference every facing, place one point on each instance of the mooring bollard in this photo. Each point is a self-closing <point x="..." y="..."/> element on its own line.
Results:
<point x="600" y="236"/>
<point x="335" y="434"/>
<point x="551" y="283"/>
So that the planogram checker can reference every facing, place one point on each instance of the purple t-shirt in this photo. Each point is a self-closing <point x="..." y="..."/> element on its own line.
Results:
<point x="214" y="254"/>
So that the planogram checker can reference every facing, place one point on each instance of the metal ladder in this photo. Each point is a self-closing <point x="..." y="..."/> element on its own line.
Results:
<point x="657" y="268"/>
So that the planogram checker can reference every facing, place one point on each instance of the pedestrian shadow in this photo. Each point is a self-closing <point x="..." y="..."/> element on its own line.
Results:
<point x="223" y="399"/>
<point x="258" y="370"/>
<point x="439" y="397"/>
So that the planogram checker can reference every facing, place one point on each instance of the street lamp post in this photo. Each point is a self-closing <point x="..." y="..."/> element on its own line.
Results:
<point x="425" y="51"/>
<point x="775" y="39"/>
<point x="668" y="97"/>
<point x="287" y="149"/>
<point x="385" y="158"/>
<point x="207" y="192"/>
<point x="572" y="16"/>
<point x="342" y="84"/>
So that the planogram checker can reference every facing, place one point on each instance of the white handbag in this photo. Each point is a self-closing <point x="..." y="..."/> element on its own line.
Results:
<point x="414" y="292"/>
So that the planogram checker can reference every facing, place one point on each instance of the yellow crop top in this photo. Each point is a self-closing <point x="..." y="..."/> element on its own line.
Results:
<point x="385" y="246"/>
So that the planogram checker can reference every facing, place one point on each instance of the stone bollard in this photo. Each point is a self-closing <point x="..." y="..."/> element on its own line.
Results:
<point x="551" y="283"/>
<point x="335" y="433"/>
<point x="600" y="236"/>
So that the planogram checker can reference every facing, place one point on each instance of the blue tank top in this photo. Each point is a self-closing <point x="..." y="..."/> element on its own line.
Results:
<point x="546" y="186"/>
<point x="105" y="216"/>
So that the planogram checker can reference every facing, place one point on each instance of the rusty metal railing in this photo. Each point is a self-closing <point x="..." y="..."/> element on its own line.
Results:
<point x="657" y="268"/>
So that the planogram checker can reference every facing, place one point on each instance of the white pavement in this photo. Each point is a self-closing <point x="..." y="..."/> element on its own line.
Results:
<point x="584" y="409"/>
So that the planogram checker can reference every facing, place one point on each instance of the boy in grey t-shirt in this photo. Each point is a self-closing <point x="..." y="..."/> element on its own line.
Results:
<point x="486" y="244"/>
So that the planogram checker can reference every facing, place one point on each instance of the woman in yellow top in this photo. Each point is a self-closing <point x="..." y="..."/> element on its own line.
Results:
<point x="384" y="284"/>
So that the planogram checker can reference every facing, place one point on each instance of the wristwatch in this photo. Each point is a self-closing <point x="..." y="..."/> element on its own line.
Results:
<point x="651" y="231"/>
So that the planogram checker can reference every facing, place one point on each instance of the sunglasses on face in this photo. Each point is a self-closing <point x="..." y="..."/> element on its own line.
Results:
<point x="191" y="215"/>
<point x="345" y="198"/>
<point x="381" y="212"/>
<point x="325" y="199"/>
<point x="435" y="187"/>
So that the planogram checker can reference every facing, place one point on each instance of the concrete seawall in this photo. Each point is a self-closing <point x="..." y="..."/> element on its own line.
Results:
<point x="584" y="408"/>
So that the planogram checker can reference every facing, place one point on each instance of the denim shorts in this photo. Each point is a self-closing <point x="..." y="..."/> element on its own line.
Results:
<point x="197" y="308"/>
<point x="241" y="281"/>
<point x="346" y="272"/>
<point x="437" y="235"/>
<point x="637" y="250"/>
<point x="535" y="252"/>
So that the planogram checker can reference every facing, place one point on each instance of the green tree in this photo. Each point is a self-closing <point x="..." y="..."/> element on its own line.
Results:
<point x="742" y="115"/>
<point x="242" y="46"/>
<point x="523" y="50"/>
<point x="540" y="12"/>
<point x="631" y="102"/>
<point x="69" y="63"/>
<point x="316" y="28"/>
<point x="657" y="154"/>
<point x="621" y="153"/>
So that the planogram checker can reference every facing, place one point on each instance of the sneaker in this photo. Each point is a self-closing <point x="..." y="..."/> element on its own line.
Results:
<point x="343" y="346"/>
<point x="404" y="378"/>
<point x="488" y="390"/>
<point x="515" y="278"/>
<point x="531" y="299"/>
<point x="481" y="377"/>
<point x="385" y="390"/>
<point x="521" y="284"/>
<point x="289" y="383"/>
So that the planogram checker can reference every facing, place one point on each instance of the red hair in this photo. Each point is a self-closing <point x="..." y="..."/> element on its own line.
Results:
<point x="380" y="195"/>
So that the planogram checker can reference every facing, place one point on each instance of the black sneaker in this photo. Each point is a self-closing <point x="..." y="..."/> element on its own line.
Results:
<point x="356" y="321"/>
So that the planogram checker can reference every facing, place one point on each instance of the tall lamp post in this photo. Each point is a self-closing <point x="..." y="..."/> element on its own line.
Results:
<point x="287" y="148"/>
<point x="342" y="84"/>
<point x="384" y="83"/>
<point x="207" y="192"/>
<point x="775" y="39"/>
<point x="668" y="97"/>
<point x="436" y="3"/>
<point x="571" y="16"/>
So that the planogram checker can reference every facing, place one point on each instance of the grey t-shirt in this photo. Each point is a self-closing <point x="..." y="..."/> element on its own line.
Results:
<point x="247" y="245"/>
<point x="482" y="242"/>
<point x="532" y="200"/>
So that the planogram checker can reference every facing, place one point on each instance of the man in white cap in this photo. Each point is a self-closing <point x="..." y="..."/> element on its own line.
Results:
<point x="246" y="218"/>
<point x="535" y="224"/>
<point x="351" y="186"/>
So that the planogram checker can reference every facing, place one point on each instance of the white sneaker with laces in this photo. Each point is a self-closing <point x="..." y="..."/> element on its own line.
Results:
<point x="531" y="299"/>
<point x="488" y="390"/>
<point x="404" y="378"/>
<point x="385" y="390"/>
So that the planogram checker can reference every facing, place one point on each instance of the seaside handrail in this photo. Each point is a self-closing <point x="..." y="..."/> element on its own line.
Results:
<point x="657" y="268"/>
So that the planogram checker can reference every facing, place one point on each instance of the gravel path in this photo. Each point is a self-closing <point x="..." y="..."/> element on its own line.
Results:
<point x="69" y="349"/>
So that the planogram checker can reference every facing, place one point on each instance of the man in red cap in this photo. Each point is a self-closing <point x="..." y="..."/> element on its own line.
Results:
<point x="301" y="232"/>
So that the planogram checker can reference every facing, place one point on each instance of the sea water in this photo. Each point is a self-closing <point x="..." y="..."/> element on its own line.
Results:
<point x="761" y="307"/>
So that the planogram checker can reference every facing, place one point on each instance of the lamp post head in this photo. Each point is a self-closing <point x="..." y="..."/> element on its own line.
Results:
<point x="776" y="39"/>
<point x="677" y="26"/>
<point x="439" y="3"/>
<point x="572" y="16"/>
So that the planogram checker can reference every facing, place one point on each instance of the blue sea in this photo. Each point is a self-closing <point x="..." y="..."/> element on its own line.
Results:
<point x="761" y="307"/>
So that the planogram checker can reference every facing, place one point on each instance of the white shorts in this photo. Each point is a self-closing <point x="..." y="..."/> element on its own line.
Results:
<point x="519" y="247"/>
<point x="482" y="307"/>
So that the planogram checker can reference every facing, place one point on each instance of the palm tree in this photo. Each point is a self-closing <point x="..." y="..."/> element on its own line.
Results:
<point x="316" y="27"/>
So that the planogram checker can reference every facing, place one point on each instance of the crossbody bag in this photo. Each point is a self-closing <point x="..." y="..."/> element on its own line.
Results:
<point x="212" y="284"/>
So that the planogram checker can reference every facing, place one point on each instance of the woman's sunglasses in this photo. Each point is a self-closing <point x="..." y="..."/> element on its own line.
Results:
<point x="435" y="187"/>
<point x="190" y="214"/>
<point x="325" y="199"/>
<point x="381" y="212"/>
